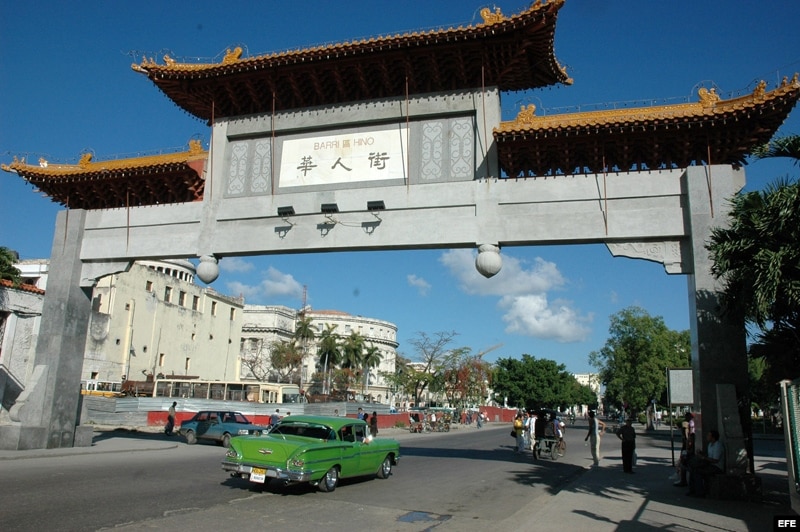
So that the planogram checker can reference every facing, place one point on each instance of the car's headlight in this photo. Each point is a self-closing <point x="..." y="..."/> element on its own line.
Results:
<point x="243" y="431"/>
<point x="297" y="462"/>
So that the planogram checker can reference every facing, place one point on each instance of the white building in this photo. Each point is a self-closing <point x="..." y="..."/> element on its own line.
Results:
<point x="20" y="316"/>
<point x="263" y="325"/>
<point x="153" y="320"/>
<point x="592" y="380"/>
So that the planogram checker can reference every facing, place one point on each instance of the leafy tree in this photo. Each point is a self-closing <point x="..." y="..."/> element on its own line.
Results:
<point x="632" y="364"/>
<point x="401" y="379"/>
<point x="8" y="271"/>
<point x="465" y="377"/>
<point x="430" y="353"/>
<point x="533" y="383"/>
<point x="286" y="359"/>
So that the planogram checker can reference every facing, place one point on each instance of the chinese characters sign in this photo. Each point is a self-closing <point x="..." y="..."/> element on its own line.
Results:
<point x="344" y="158"/>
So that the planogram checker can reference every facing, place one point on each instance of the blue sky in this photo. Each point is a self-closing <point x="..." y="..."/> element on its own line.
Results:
<point x="66" y="86"/>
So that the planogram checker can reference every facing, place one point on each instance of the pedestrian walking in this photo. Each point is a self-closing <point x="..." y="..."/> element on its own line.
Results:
<point x="627" y="434"/>
<point x="170" y="419"/>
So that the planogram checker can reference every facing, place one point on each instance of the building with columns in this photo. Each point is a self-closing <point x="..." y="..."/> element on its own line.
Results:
<point x="264" y="325"/>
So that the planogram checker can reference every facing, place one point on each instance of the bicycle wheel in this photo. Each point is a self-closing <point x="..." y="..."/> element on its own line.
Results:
<point x="554" y="451"/>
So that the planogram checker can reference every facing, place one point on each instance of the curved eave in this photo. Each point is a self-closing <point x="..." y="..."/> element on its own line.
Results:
<point x="512" y="53"/>
<point x="706" y="132"/>
<point x="153" y="180"/>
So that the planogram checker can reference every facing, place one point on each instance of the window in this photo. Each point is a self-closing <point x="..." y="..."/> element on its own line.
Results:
<point x="168" y="294"/>
<point x="213" y="308"/>
<point x="182" y="299"/>
<point x="161" y="358"/>
<point x="188" y="364"/>
<point x="148" y="286"/>
<point x="233" y="314"/>
<point x="195" y="302"/>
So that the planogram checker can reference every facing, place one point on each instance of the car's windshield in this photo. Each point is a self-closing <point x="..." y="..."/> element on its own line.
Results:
<point x="320" y="432"/>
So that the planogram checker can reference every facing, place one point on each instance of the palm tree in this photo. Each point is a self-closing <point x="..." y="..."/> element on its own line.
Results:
<point x="758" y="259"/>
<point x="788" y="146"/>
<point x="353" y="351"/>
<point x="8" y="271"/>
<point x="329" y="351"/>
<point x="372" y="358"/>
<point x="303" y="331"/>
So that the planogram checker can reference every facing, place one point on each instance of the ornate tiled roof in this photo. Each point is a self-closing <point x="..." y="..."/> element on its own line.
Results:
<point x="709" y="131"/>
<point x="510" y="52"/>
<point x="149" y="180"/>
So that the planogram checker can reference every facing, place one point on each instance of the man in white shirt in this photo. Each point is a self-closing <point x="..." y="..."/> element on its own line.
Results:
<point x="705" y="465"/>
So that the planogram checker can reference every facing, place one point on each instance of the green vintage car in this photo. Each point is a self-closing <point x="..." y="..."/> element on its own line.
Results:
<point x="315" y="449"/>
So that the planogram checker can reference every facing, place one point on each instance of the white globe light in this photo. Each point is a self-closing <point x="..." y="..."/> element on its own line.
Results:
<point x="489" y="261"/>
<point x="208" y="270"/>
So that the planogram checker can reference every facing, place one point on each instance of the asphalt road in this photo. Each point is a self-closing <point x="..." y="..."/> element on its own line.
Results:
<point x="467" y="479"/>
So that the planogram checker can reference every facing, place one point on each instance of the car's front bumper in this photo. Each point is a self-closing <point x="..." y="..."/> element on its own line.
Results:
<point x="246" y="471"/>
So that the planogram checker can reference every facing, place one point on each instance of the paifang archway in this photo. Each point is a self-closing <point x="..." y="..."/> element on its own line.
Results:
<point x="333" y="154"/>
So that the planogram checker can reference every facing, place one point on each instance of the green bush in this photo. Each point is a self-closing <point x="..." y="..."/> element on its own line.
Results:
<point x="399" y="425"/>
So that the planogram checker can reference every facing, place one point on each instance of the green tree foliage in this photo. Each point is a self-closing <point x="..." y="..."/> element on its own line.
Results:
<point x="758" y="260"/>
<point x="8" y="271"/>
<point x="465" y="377"/>
<point x="533" y="383"/>
<point x="431" y="351"/>
<point x="329" y="351"/>
<point x="632" y="364"/>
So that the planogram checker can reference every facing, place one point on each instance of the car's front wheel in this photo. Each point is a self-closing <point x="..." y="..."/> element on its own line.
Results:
<point x="330" y="480"/>
<point x="226" y="440"/>
<point x="191" y="438"/>
<point x="386" y="468"/>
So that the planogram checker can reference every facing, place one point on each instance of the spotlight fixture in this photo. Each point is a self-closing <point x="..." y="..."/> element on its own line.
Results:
<point x="329" y="208"/>
<point x="286" y="211"/>
<point x="377" y="205"/>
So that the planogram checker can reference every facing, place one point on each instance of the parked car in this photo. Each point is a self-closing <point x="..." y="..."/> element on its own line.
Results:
<point x="319" y="450"/>
<point x="218" y="426"/>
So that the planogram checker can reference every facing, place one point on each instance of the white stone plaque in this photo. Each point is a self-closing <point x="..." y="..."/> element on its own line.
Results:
<point x="344" y="158"/>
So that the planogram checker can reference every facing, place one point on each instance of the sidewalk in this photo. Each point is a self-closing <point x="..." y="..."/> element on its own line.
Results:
<point x="605" y="498"/>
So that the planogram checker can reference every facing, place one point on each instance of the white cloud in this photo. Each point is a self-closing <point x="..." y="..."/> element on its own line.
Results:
<point x="422" y="286"/>
<point x="274" y="284"/>
<point x="522" y="287"/>
<point x="235" y="265"/>
<point x="512" y="279"/>
<point x="532" y="315"/>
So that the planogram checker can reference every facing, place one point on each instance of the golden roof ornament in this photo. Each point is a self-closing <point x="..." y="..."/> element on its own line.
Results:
<point x="526" y="115"/>
<point x="232" y="56"/>
<point x="492" y="18"/>
<point x="761" y="89"/>
<point x="708" y="97"/>
<point x="86" y="160"/>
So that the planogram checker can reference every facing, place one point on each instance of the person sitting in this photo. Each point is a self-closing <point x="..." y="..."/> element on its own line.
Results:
<point x="705" y="465"/>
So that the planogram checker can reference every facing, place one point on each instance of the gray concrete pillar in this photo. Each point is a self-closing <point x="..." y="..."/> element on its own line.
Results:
<point x="719" y="354"/>
<point x="47" y="413"/>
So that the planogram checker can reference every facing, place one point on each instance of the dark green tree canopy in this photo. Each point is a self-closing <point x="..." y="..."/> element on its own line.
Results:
<point x="533" y="383"/>
<point x="8" y="271"/>
<point x="633" y="362"/>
